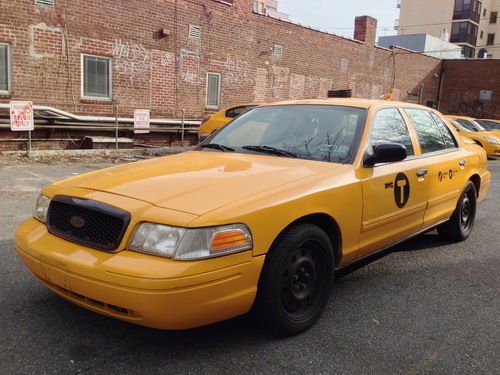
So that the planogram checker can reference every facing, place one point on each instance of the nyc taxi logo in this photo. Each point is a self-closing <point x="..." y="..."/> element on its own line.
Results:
<point x="401" y="186"/>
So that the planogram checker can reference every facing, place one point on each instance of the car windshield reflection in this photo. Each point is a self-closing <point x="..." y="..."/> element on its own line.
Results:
<point x="314" y="132"/>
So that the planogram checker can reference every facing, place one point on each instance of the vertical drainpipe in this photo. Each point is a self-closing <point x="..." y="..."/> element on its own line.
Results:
<point x="421" y="93"/>
<point x="441" y="84"/>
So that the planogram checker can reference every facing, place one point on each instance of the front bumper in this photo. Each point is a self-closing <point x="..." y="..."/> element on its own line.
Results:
<point x="492" y="150"/>
<point x="140" y="288"/>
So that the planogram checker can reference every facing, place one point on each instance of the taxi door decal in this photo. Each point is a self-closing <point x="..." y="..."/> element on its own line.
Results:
<point x="401" y="190"/>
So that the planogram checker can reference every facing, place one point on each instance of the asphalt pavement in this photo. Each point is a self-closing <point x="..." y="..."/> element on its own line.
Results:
<point x="427" y="307"/>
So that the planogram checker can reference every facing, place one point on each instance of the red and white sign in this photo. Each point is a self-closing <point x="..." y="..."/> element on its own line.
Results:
<point x="21" y="116"/>
<point x="141" y="121"/>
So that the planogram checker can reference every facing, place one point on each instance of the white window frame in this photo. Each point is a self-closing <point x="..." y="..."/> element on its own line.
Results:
<point x="218" y="92"/>
<point x="9" y="70"/>
<point x="110" y="79"/>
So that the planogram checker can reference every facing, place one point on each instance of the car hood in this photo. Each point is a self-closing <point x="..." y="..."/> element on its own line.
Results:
<point x="197" y="182"/>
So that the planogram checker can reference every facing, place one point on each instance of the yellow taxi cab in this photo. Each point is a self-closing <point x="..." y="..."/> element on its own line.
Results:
<point x="211" y="123"/>
<point x="485" y="138"/>
<point x="493" y="126"/>
<point x="259" y="217"/>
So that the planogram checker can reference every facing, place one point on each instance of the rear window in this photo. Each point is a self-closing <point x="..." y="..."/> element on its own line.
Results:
<point x="235" y="112"/>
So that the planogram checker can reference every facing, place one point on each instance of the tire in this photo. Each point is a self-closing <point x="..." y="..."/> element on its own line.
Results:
<point x="459" y="227"/>
<point x="296" y="280"/>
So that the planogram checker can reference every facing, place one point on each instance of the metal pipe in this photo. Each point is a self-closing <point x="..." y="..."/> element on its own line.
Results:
<point x="182" y="125"/>
<point x="108" y="128"/>
<point x="71" y="116"/>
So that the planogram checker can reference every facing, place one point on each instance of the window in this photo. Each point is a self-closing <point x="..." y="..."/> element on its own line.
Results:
<point x="493" y="17"/>
<point x="449" y="139"/>
<point x="48" y="3"/>
<point x="96" y="73"/>
<point x="484" y="12"/>
<point x="482" y="34"/>
<point x="5" y="78"/>
<point x="389" y="127"/>
<point x="491" y="39"/>
<point x="464" y="32"/>
<point x="213" y="90"/>
<point x="467" y="10"/>
<point x="468" y="52"/>
<point x="235" y="112"/>
<point x="430" y="137"/>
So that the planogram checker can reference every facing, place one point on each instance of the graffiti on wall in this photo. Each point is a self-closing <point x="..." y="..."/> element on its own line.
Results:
<point x="279" y="82"/>
<point x="190" y="67"/>
<point x="237" y="71"/>
<point x="135" y="60"/>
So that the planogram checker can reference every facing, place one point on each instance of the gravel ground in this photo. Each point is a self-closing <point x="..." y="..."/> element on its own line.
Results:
<point x="427" y="307"/>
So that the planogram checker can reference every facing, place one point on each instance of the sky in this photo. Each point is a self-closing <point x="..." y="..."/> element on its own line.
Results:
<point x="337" y="16"/>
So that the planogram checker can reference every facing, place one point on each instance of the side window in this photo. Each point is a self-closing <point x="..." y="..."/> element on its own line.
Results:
<point x="390" y="127"/>
<point x="430" y="137"/>
<point x="449" y="139"/>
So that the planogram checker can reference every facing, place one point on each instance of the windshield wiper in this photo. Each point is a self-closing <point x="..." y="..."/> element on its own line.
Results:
<point x="270" y="150"/>
<point x="217" y="146"/>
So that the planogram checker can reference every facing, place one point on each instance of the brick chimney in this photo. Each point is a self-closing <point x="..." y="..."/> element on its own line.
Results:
<point x="365" y="29"/>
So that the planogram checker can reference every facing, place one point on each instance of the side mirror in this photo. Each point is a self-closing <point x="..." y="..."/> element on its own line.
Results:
<point x="384" y="153"/>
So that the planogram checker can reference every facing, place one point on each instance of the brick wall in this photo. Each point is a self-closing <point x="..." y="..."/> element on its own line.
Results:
<point x="168" y="74"/>
<point x="463" y="81"/>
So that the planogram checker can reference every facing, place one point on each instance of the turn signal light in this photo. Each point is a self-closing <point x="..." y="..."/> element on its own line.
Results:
<point x="230" y="239"/>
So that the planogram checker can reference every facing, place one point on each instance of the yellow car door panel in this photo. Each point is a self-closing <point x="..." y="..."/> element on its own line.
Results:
<point x="394" y="194"/>
<point x="447" y="164"/>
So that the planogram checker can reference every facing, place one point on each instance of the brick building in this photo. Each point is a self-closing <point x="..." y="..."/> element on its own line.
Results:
<point x="197" y="55"/>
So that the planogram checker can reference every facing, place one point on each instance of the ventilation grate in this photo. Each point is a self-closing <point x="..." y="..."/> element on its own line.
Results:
<point x="48" y="3"/>
<point x="194" y="32"/>
<point x="278" y="50"/>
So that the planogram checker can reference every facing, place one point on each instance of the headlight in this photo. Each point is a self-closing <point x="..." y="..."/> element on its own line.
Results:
<point x="492" y="141"/>
<point x="41" y="208"/>
<point x="189" y="244"/>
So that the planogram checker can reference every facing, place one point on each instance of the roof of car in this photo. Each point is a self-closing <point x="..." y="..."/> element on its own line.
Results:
<point x="488" y="119"/>
<point x="347" y="102"/>
<point x="460" y="117"/>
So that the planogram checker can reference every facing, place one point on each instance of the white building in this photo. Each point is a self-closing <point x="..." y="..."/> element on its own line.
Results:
<point x="472" y="24"/>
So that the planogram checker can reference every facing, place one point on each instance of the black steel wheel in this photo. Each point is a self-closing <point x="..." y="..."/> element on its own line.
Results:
<point x="459" y="227"/>
<point x="296" y="280"/>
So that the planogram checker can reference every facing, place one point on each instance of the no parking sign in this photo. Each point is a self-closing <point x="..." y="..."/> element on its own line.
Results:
<point x="21" y="116"/>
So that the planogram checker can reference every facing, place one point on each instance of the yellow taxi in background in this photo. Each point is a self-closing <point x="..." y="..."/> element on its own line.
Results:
<point x="493" y="126"/>
<point x="258" y="217"/>
<point x="470" y="128"/>
<point x="211" y="123"/>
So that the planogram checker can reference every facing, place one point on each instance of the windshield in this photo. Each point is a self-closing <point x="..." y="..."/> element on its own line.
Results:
<point x="315" y="132"/>
<point x="470" y="126"/>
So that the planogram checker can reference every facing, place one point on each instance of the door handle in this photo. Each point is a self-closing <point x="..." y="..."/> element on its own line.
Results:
<point x="422" y="172"/>
<point x="462" y="162"/>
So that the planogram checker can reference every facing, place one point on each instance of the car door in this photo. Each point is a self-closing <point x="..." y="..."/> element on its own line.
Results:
<point x="394" y="194"/>
<point x="446" y="164"/>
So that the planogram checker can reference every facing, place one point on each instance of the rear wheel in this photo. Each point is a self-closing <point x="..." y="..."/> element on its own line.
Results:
<point x="296" y="280"/>
<point x="459" y="227"/>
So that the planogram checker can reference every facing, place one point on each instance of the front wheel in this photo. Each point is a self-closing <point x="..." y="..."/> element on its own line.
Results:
<point x="459" y="227"/>
<point x="296" y="280"/>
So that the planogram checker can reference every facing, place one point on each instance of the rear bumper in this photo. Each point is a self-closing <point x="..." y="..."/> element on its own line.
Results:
<point x="139" y="288"/>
